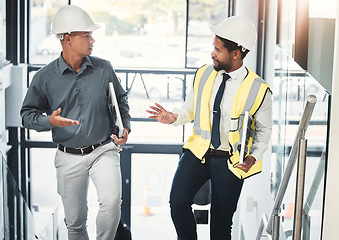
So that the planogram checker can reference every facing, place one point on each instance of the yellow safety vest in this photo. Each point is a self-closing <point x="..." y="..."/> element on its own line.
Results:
<point x="249" y="97"/>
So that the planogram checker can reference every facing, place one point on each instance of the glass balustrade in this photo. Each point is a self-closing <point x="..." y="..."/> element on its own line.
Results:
<point x="292" y="86"/>
<point x="16" y="219"/>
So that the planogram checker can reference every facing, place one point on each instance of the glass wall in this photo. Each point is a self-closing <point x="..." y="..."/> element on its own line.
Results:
<point x="292" y="86"/>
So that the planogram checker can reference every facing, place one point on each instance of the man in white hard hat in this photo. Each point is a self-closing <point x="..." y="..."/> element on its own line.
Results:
<point x="221" y="95"/>
<point x="70" y="97"/>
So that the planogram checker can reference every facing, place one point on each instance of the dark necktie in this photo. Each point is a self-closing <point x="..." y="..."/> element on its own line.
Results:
<point x="215" y="138"/>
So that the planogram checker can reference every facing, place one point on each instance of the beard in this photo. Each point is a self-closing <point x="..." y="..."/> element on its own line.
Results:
<point x="222" y="65"/>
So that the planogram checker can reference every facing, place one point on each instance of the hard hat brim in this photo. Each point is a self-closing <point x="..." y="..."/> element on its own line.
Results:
<point x="87" y="29"/>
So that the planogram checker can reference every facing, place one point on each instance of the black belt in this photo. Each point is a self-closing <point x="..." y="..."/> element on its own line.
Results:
<point x="82" y="150"/>
<point x="214" y="152"/>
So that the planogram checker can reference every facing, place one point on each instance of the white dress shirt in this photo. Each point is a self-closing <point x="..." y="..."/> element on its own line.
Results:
<point x="263" y="117"/>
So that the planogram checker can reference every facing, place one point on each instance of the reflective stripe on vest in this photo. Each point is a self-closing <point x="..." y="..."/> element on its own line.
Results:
<point x="249" y="97"/>
<point x="205" y="134"/>
<point x="200" y="140"/>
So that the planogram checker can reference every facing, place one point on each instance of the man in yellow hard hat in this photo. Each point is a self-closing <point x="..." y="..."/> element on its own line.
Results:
<point x="70" y="97"/>
<point x="222" y="94"/>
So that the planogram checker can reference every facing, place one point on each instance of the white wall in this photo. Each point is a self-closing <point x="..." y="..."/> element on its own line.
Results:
<point x="320" y="50"/>
<point x="331" y="209"/>
<point x="250" y="9"/>
<point x="15" y="94"/>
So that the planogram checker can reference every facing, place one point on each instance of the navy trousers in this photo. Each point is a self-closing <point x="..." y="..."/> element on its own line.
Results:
<point x="190" y="176"/>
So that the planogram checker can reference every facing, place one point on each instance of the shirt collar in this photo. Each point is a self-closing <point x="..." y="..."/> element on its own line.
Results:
<point x="63" y="65"/>
<point x="234" y="74"/>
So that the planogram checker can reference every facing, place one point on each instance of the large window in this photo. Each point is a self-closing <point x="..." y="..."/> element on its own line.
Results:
<point x="43" y="46"/>
<point x="201" y="16"/>
<point x="151" y="34"/>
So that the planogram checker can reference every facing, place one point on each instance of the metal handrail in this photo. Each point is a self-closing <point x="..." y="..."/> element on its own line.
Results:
<point x="263" y="225"/>
<point x="299" y="196"/>
<point x="305" y="119"/>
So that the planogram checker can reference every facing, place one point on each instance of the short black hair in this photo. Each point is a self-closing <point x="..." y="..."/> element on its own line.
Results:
<point x="232" y="46"/>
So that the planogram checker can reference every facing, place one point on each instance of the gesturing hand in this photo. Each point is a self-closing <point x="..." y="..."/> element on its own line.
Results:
<point x="58" y="121"/>
<point x="161" y="115"/>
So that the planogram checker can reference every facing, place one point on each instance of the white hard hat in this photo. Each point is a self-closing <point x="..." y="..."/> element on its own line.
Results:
<point x="71" y="18"/>
<point x="238" y="29"/>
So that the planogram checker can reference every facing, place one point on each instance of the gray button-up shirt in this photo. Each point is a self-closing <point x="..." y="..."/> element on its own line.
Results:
<point x="82" y="96"/>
